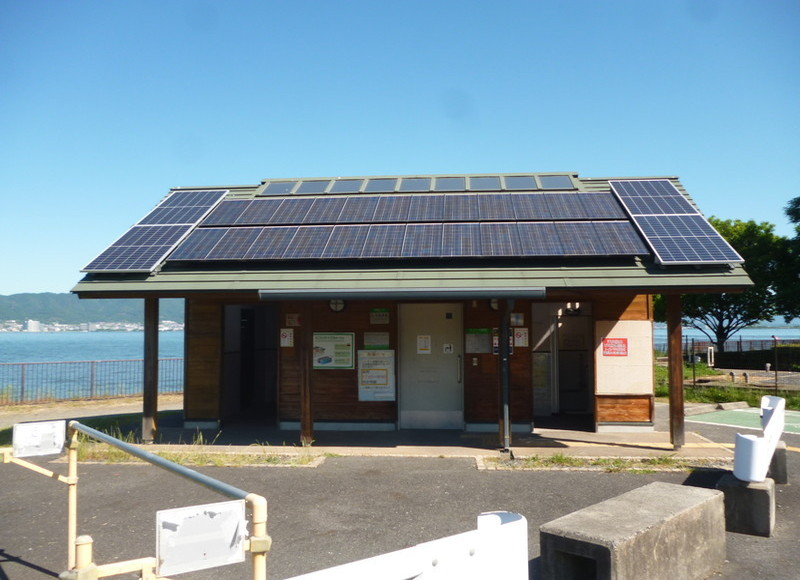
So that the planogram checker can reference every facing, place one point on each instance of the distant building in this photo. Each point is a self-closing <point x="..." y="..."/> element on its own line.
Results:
<point x="32" y="326"/>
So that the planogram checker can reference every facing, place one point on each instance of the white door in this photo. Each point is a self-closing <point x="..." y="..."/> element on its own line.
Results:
<point x="431" y="394"/>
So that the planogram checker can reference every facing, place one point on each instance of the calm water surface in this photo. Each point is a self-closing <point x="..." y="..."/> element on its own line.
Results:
<point x="17" y="347"/>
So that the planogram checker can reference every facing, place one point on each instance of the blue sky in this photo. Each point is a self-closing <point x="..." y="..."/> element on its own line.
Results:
<point x="106" y="105"/>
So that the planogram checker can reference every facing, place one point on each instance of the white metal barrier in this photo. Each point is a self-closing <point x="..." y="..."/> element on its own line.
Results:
<point x="498" y="548"/>
<point x="188" y="552"/>
<point x="753" y="454"/>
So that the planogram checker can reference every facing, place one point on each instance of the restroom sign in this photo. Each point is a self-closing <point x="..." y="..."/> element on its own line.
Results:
<point x="615" y="347"/>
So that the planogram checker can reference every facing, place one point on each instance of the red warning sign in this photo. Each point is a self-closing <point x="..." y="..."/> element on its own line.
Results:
<point x="615" y="347"/>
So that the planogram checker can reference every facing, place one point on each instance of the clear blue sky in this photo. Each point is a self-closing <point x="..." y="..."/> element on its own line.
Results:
<point x="106" y="105"/>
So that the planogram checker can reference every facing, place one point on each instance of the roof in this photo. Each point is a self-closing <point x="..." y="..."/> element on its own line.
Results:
<point x="465" y="235"/>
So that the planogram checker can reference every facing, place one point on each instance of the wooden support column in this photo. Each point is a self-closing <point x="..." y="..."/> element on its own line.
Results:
<point x="304" y="353"/>
<point x="150" y="387"/>
<point x="675" y="359"/>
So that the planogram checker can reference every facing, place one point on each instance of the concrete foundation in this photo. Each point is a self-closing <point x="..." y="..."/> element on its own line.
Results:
<point x="749" y="507"/>
<point x="778" y="471"/>
<point x="659" y="531"/>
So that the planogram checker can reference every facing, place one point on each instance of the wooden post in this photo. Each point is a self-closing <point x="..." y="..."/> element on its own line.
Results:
<point x="304" y="355"/>
<point x="675" y="358"/>
<point x="150" y="387"/>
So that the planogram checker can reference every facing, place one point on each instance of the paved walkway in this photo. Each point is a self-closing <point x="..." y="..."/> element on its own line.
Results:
<point x="542" y="442"/>
<point x="354" y="507"/>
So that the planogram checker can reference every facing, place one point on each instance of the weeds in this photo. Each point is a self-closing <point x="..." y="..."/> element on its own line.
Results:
<point x="607" y="464"/>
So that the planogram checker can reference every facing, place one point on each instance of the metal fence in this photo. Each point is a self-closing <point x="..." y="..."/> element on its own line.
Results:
<point x="25" y="383"/>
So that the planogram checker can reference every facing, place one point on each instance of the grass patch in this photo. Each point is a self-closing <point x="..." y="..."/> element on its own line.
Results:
<point x="606" y="464"/>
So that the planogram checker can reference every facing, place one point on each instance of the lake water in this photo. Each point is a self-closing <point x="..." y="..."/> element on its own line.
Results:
<point x="18" y="347"/>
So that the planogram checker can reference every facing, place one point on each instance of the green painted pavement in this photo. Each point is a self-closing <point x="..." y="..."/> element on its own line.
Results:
<point x="749" y="418"/>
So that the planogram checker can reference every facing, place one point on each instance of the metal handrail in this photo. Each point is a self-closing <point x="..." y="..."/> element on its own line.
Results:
<point x="183" y="471"/>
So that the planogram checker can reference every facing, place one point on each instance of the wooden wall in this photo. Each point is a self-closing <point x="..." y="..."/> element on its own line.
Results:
<point x="482" y="371"/>
<point x="334" y="392"/>
<point x="203" y="361"/>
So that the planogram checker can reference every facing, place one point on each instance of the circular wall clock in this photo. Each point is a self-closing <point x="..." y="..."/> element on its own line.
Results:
<point x="336" y="305"/>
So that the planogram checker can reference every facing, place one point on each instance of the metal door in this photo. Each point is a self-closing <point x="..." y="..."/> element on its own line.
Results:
<point x="431" y="393"/>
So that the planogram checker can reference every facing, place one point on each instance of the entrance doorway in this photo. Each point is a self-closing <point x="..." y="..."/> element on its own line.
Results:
<point x="562" y="359"/>
<point x="431" y="390"/>
<point x="250" y="363"/>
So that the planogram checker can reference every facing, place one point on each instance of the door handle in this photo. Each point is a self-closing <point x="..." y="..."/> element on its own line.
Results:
<point x="460" y="369"/>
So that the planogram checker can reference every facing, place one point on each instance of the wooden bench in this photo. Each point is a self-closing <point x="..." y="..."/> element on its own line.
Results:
<point x="659" y="531"/>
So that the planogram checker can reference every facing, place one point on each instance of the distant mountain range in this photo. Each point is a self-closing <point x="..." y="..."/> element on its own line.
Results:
<point x="67" y="308"/>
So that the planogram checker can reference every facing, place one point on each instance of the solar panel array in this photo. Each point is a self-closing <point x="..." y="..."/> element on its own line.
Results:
<point x="418" y="184"/>
<point x="413" y="240"/>
<point x="674" y="229"/>
<point x="147" y="243"/>
<point x="416" y="208"/>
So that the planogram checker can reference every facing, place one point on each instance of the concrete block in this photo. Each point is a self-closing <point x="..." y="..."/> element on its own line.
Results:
<point x="749" y="506"/>
<point x="659" y="531"/>
<point x="733" y="405"/>
<point x="778" y="469"/>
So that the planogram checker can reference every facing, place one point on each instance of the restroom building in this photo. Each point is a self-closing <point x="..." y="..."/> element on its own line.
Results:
<point x="418" y="302"/>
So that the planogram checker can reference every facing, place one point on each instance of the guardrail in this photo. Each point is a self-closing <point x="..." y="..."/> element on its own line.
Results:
<point x="45" y="382"/>
<point x="48" y="437"/>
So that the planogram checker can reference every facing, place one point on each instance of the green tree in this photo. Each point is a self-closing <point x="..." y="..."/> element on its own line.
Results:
<point x="788" y="273"/>
<point x="719" y="316"/>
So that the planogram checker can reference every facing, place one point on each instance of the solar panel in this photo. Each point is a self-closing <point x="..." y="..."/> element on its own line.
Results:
<point x="530" y="206"/>
<point x="539" y="239"/>
<point x="279" y="187"/>
<point x="198" y="244"/>
<point x="520" y="182"/>
<point x="315" y="186"/>
<point x="495" y="207"/>
<point x="234" y="244"/>
<point x="346" y="242"/>
<point x="359" y="209"/>
<point x="292" y="211"/>
<point x="392" y="208"/>
<point x="259" y="212"/>
<point x="415" y="184"/>
<point x="140" y="249"/>
<point x="556" y="182"/>
<point x="461" y="239"/>
<point x="271" y="243"/>
<point x="325" y="210"/>
<point x="461" y="208"/>
<point x="450" y="184"/>
<point x="426" y="208"/>
<point x="422" y="240"/>
<point x="150" y="240"/>
<point x="227" y="212"/>
<point x="308" y="242"/>
<point x="381" y="185"/>
<point x="599" y="205"/>
<point x="384" y="241"/>
<point x="484" y="183"/>
<point x="620" y="239"/>
<point x="347" y="186"/>
<point x="499" y="239"/>
<point x="673" y="228"/>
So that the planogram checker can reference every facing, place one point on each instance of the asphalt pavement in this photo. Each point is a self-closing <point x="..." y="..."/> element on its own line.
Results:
<point x="347" y="508"/>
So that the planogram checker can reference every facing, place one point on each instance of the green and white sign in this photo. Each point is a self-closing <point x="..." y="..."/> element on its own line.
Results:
<point x="334" y="350"/>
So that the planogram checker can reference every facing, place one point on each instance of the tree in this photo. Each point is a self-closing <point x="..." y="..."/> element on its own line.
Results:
<point x="719" y="316"/>
<point x="788" y="278"/>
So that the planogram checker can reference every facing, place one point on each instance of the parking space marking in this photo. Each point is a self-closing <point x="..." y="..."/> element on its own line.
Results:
<point x="745" y="419"/>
